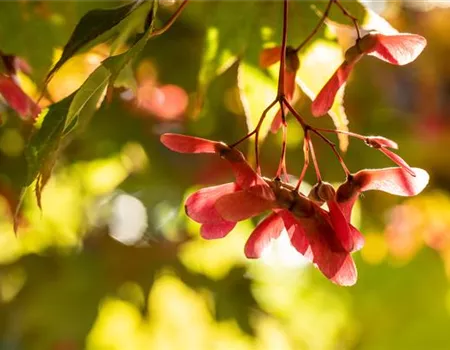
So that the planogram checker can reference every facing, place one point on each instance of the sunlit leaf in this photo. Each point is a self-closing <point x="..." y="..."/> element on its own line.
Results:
<point x="45" y="141"/>
<point x="222" y="46"/>
<point x="42" y="150"/>
<point x="318" y="64"/>
<point x="91" y="90"/>
<point x="257" y="91"/>
<point x="112" y="314"/>
<point x="119" y="66"/>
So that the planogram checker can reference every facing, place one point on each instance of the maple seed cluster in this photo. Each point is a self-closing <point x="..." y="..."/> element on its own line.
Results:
<point x="324" y="236"/>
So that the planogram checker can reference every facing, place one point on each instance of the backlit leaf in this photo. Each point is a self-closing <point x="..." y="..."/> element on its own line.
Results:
<point x="257" y="91"/>
<point x="63" y="116"/>
<point x="318" y="64"/>
<point x="91" y="90"/>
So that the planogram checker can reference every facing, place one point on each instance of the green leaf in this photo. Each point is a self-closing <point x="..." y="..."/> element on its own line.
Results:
<point x="64" y="116"/>
<point x="44" y="143"/>
<point x="94" y="25"/>
<point x="42" y="150"/>
<point x="61" y="118"/>
<point x="222" y="46"/>
<point x="91" y="91"/>
<point x="119" y="65"/>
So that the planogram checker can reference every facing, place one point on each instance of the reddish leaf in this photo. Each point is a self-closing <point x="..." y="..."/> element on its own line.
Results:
<point x="216" y="230"/>
<point x="241" y="205"/>
<point x="325" y="99"/>
<point x="269" y="56"/>
<point x="200" y="206"/>
<point x="13" y="64"/>
<point x="393" y="180"/>
<point x="289" y="84"/>
<point x="268" y="229"/>
<point x="398" y="49"/>
<point x="190" y="144"/>
<point x="262" y="191"/>
<point x="397" y="160"/>
<point x="358" y="238"/>
<point x="347" y="207"/>
<point x="296" y="233"/>
<point x="331" y="259"/>
<point x="277" y="121"/>
<point x="341" y="226"/>
<point x="17" y="99"/>
<point x="347" y="274"/>
<point x="22" y="65"/>
<point x="246" y="177"/>
<point x="380" y="141"/>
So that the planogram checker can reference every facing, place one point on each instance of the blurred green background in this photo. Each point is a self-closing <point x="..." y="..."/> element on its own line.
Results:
<point x="112" y="262"/>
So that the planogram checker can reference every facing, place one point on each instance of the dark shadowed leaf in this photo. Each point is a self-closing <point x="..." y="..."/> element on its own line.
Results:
<point x="96" y="24"/>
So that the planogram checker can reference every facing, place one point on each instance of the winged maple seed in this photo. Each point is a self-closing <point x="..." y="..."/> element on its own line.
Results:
<point x="398" y="49"/>
<point x="325" y="237"/>
<point x="11" y="91"/>
<point x="382" y="144"/>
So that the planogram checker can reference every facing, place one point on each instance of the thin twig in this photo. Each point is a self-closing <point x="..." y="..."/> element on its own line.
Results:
<point x="171" y="20"/>
<point x="280" y="92"/>
<point x="258" y="126"/>
<point x="313" y="156"/>
<point x="316" y="29"/>
<point x="344" y="132"/>
<point x="297" y="116"/>
<point x="283" y="50"/>
<point x="282" y="164"/>
<point x="349" y="15"/>
<point x="305" y="165"/>
<point x="334" y="149"/>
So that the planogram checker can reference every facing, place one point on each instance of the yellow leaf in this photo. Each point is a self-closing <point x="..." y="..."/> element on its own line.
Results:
<point x="317" y="65"/>
<point x="257" y="91"/>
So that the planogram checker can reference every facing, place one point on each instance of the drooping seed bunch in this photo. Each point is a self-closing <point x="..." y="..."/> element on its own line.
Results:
<point x="325" y="236"/>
